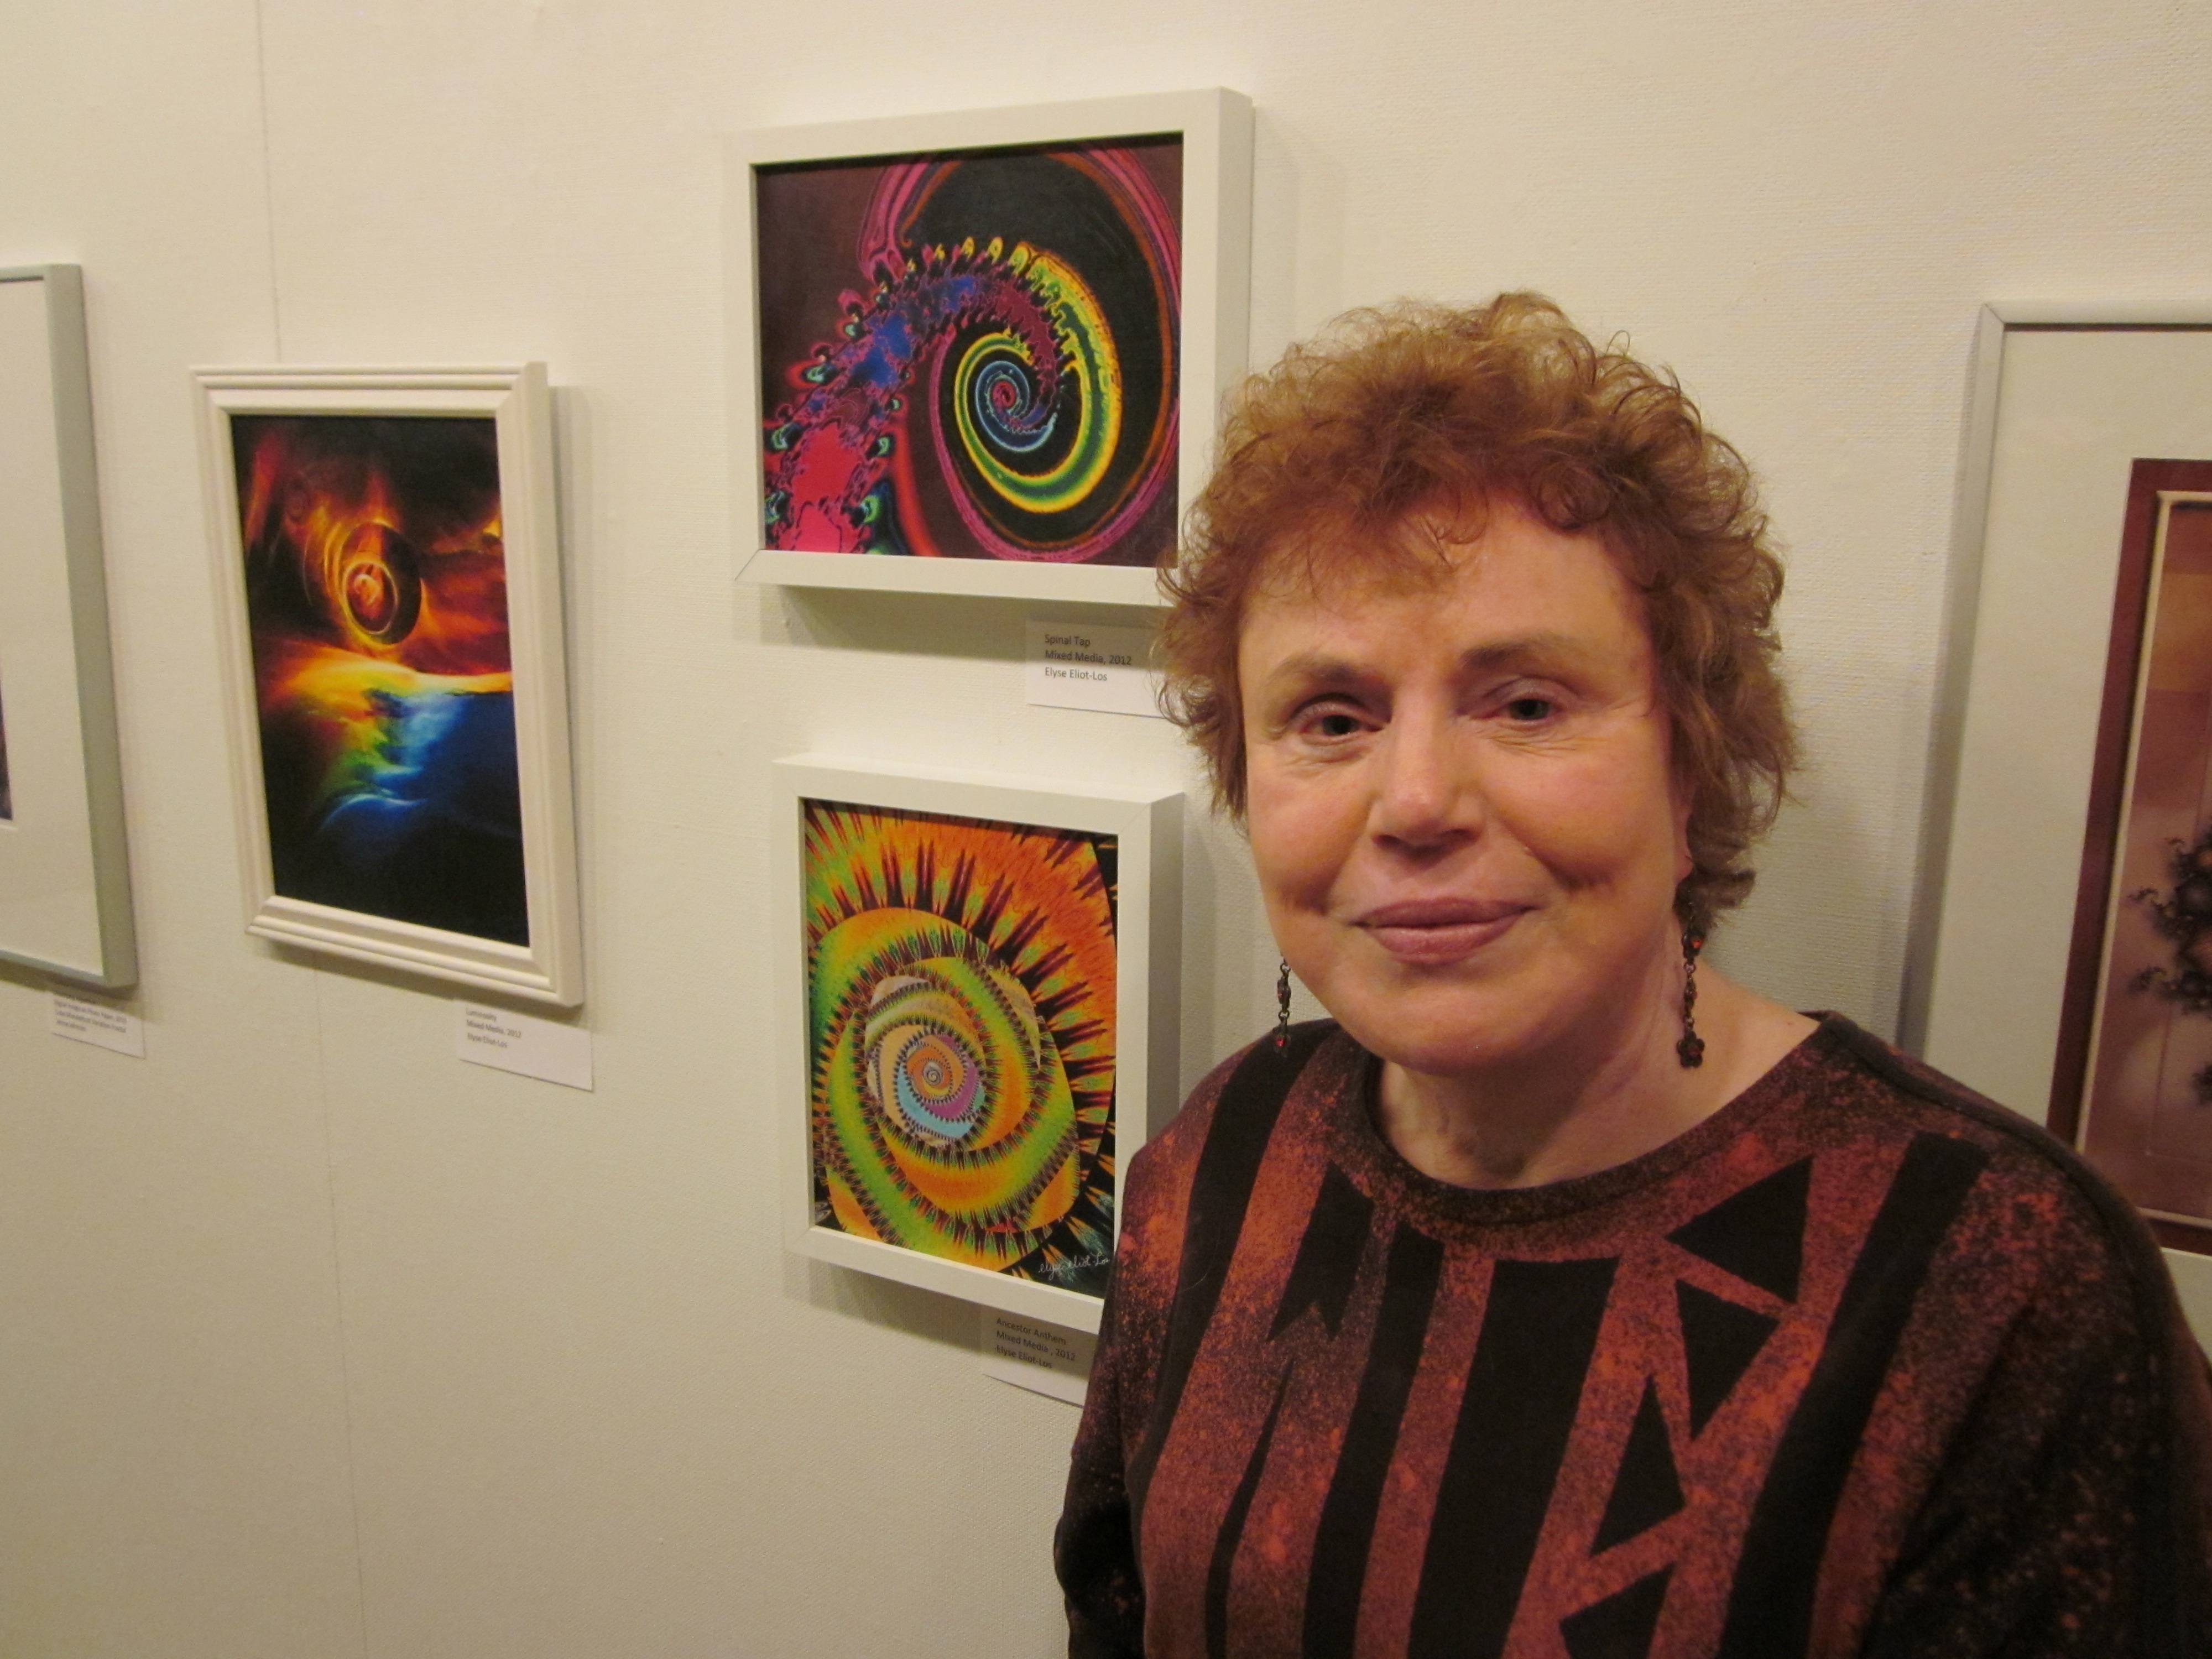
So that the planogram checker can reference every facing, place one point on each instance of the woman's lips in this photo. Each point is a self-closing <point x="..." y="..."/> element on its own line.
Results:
<point x="1430" y="932"/>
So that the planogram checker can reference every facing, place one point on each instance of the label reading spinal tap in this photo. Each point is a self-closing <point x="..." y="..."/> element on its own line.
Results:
<point x="1078" y="666"/>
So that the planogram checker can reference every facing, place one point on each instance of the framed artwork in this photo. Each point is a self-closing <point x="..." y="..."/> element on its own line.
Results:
<point x="2064" y="952"/>
<point x="977" y="1004"/>
<point x="388" y="590"/>
<point x="64" y="867"/>
<point x="983" y="353"/>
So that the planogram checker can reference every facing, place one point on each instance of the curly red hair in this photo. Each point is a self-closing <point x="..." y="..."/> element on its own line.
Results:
<point x="1417" y="414"/>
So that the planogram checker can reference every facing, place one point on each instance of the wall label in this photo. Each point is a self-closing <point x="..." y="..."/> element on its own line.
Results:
<point x="543" y="1048"/>
<point x="1074" y="665"/>
<point x="1044" y="1359"/>
<point x="101" y="1024"/>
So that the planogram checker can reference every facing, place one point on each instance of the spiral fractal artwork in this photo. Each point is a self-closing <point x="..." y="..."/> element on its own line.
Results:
<point x="973" y="354"/>
<point x="961" y="1028"/>
<point x="376" y="602"/>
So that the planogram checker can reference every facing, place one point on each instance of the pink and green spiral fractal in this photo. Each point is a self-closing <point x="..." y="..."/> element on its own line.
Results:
<point x="960" y="1023"/>
<point x="1000" y="384"/>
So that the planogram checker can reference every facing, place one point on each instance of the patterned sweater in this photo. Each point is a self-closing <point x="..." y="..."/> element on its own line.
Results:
<point x="1862" y="1363"/>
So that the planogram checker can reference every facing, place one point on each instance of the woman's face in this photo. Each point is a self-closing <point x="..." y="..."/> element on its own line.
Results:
<point x="1461" y="804"/>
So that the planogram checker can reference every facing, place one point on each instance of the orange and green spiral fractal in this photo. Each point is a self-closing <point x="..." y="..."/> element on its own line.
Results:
<point x="961" y="1023"/>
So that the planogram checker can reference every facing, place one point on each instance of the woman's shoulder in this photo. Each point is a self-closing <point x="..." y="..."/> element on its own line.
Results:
<point x="2047" y="1192"/>
<point x="1232" y="1110"/>
<point x="2047" y="1293"/>
<point x="1858" y="1068"/>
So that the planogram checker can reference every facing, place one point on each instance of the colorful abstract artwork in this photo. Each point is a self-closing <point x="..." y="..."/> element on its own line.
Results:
<point x="973" y="354"/>
<point x="376" y="600"/>
<point x="2138" y="1025"/>
<point x="961" y="1022"/>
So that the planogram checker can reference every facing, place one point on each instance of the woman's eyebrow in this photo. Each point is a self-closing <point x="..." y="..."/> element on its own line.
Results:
<point x="1317" y="668"/>
<point x="1545" y="650"/>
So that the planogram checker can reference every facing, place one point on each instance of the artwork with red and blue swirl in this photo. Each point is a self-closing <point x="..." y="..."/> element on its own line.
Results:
<point x="376" y="597"/>
<point x="973" y="354"/>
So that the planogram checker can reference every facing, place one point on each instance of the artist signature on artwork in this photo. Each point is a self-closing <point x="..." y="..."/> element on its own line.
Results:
<point x="1072" y="1265"/>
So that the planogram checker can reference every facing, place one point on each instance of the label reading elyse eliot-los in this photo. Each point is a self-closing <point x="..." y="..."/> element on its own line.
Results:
<point x="101" y="1024"/>
<point x="1073" y="665"/>
<point x="1043" y="1359"/>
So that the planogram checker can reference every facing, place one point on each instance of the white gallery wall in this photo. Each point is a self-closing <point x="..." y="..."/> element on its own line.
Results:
<point x="315" y="1341"/>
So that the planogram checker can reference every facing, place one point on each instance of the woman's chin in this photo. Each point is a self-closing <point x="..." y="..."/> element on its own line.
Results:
<point x="1441" y="1043"/>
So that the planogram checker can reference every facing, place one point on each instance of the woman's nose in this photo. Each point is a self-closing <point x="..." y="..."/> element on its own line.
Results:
<point x="1423" y="796"/>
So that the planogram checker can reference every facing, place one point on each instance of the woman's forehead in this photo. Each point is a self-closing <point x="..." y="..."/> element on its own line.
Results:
<point x="1416" y="549"/>
<point x="1509" y="561"/>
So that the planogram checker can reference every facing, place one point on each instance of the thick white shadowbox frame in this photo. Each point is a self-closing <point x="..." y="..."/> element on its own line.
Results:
<point x="1148" y="954"/>
<point x="1215" y="126"/>
<point x="64" y="865"/>
<point x="550" y="968"/>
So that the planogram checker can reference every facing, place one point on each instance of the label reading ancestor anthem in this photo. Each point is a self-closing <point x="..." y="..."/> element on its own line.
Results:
<point x="1043" y="1357"/>
<point x="101" y="1024"/>
<point x="1076" y="665"/>
<point x="543" y="1048"/>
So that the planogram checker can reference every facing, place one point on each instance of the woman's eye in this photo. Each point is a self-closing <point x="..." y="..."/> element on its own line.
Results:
<point x="1326" y="725"/>
<point x="1530" y="709"/>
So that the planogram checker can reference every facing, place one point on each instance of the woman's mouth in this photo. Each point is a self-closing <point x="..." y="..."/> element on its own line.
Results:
<point x="1428" y="932"/>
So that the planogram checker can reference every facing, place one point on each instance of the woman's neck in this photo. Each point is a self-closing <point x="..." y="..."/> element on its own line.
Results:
<point x="1554" y="1115"/>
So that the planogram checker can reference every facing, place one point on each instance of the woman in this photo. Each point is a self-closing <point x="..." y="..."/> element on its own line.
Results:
<point x="1560" y="1295"/>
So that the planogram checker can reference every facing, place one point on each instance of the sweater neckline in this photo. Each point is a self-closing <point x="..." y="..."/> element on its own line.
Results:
<point x="1348" y="1075"/>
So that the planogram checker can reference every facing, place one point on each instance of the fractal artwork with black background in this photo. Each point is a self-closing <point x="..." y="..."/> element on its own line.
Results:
<point x="973" y="354"/>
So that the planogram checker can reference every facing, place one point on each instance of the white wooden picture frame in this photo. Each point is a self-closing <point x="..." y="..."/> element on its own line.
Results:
<point x="446" y="849"/>
<point x="785" y="301"/>
<point x="2062" y="397"/>
<point x="876" y="931"/>
<point x="64" y="867"/>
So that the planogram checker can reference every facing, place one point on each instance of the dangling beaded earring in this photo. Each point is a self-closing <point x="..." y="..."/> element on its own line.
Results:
<point x="1283" y="1007"/>
<point x="1690" y="1048"/>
